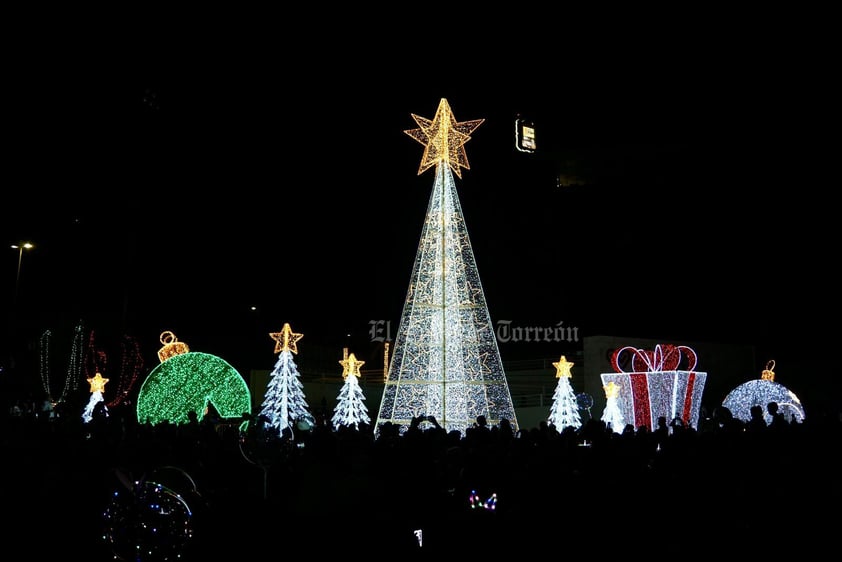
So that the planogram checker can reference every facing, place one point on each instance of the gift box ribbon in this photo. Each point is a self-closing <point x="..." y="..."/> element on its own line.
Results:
<point x="663" y="358"/>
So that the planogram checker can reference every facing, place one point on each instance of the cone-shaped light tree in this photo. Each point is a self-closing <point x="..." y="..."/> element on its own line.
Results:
<point x="446" y="362"/>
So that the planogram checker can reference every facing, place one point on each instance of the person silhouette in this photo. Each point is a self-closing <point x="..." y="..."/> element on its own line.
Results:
<point x="756" y="422"/>
<point x="777" y="421"/>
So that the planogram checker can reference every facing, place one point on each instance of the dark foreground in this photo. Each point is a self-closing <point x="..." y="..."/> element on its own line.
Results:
<point x="711" y="493"/>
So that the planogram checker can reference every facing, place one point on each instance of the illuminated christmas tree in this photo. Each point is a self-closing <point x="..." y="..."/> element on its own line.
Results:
<point x="351" y="409"/>
<point x="97" y="383"/>
<point x="446" y="362"/>
<point x="565" y="408"/>
<point x="284" y="403"/>
<point x="613" y="415"/>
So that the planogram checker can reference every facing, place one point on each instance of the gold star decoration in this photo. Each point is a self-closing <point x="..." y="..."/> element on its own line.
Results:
<point x="612" y="390"/>
<point x="351" y="366"/>
<point x="768" y="374"/>
<point x="562" y="368"/>
<point x="286" y="339"/>
<point x="443" y="139"/>
<point x="97" y="383"/>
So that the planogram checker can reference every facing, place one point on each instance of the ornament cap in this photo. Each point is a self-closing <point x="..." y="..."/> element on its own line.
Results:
<point x="172" y="346"/>
<point x="768" y="374"/>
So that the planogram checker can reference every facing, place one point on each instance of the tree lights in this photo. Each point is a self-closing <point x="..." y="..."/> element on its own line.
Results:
<point x="351" y="409"/>
<point x="612" y="415"/>
<point x="445" y="361"/>
<point x="97" y="383"/>
<point x="565" y="409"/>
<point x="284" y="402"/>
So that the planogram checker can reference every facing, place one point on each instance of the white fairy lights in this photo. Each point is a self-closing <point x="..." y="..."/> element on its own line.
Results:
<point x="445" y="361"/>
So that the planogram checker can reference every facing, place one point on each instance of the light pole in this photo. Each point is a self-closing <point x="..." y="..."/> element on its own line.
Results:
<point x="20" y="247"/>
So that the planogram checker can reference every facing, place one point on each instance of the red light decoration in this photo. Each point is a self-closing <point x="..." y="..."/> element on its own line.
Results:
<point x="657" y="384"/>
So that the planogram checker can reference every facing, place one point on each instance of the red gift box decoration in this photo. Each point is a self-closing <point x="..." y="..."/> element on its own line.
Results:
<point x="657" y="385"/>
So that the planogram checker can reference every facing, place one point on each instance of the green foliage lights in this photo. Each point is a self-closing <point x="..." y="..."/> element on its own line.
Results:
<point x="191" y="381"/>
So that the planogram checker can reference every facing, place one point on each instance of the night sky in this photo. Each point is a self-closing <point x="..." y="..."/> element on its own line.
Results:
<point x="674" y="195"/>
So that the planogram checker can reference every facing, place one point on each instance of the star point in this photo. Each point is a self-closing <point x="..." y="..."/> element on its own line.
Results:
<point x="286" y="339"/>
<point x="562" y="367"/>
<point x="444" y="139"/>
<point x="97" y="383"/>
<point x="351" y="366"/>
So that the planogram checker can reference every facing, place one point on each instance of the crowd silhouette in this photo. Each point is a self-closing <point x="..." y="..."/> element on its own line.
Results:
<point x="725" y="486"/>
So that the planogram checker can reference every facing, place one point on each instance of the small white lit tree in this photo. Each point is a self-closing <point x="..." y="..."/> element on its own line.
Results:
<point x="565" y="408"/>
<point x="612" y="415"/>
<point x="284" y="402"/>
<point x="351" y="409"/>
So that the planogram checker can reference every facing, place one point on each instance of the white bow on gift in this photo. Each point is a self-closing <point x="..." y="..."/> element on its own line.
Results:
<point x="663" y="358"/>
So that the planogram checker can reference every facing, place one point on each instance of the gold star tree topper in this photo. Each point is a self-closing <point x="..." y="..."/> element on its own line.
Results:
<point x="612" y="390"/>
<point x="443" y="139"/>
<point x="97" y="383"/>
<point x="286" y="340"/>
<point x="351" y="366"/>
<point x="562" y="368"/>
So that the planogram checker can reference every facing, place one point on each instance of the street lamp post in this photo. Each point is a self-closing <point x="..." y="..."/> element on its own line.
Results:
<point x="20" y="248"/>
